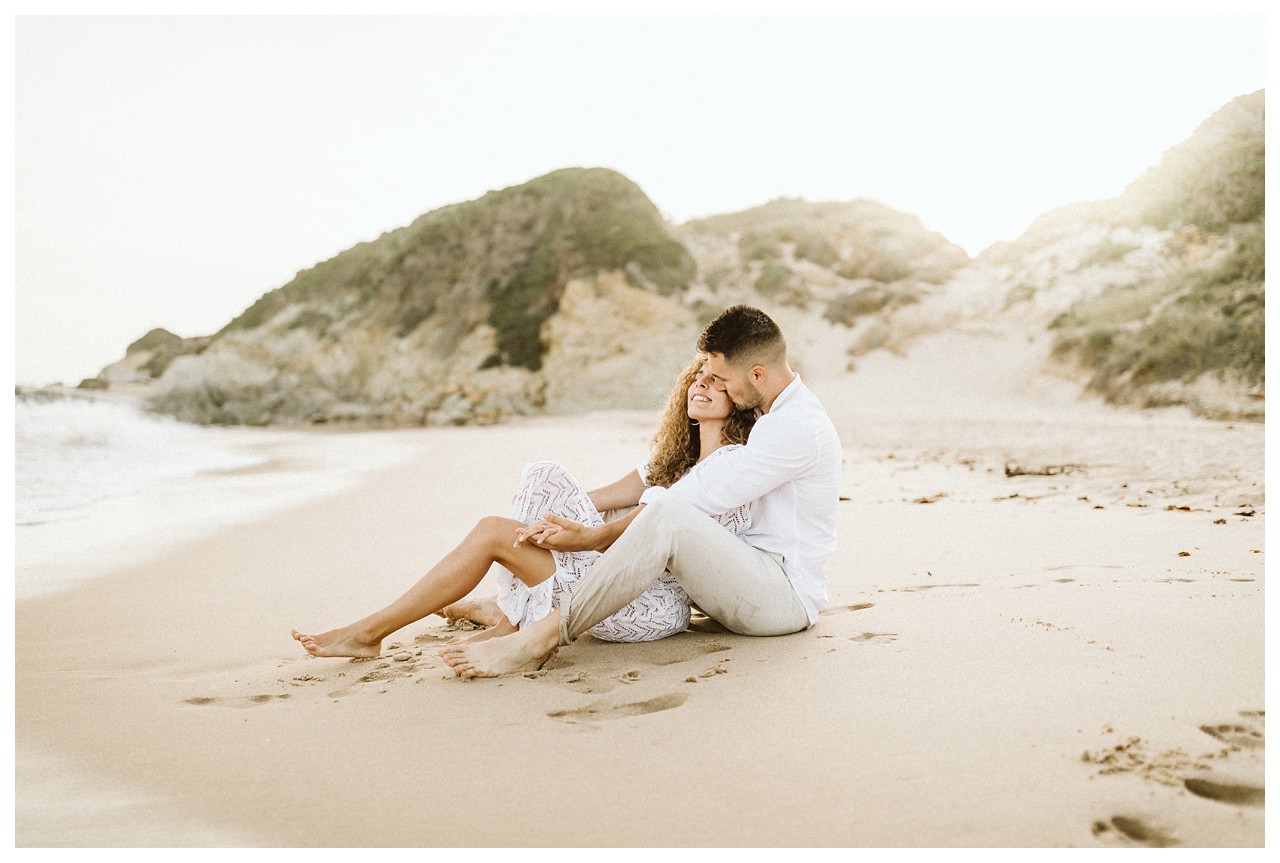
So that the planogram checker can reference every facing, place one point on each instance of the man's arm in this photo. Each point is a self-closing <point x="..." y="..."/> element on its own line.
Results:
<point x="777" y="453"/>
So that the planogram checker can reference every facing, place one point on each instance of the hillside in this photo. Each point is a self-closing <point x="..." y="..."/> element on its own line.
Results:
<point x="451" y="318"/>
<point x="564" y="294"/>
<point x="1178" y="314"/>
<point x="840" y="259"/>
<point x="1194" y="331"/>
<point x="570" y="293"/>
<point x="1154" y="298"/>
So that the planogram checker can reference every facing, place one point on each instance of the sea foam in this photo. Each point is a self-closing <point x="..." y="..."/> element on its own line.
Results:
<point x="102" y="484"/>
<point x="74" y="449"/>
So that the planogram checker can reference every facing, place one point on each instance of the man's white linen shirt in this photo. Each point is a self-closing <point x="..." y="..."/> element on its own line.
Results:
<point x="790" y="468"/>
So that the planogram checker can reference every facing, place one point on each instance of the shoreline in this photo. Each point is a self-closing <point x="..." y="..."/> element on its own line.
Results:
<point x="946" y="697"/>
<point x="126" y="529"/>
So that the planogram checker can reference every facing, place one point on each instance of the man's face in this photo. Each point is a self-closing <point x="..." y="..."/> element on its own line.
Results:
<point x="737" y="384"/>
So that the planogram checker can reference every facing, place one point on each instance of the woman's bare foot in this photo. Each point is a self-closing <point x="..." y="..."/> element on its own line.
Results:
<point x="339" y="642"/>
<point x="503" y="628"/>
<point x="482" y="611"/>
<point x="525" y="650"/>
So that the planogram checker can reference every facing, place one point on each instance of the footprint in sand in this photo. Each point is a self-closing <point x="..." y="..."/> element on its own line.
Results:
<point x="1236" y="795"/>
<point x="238" y="701"/>
<point x="1236" y="735"/>
<point x="434" y="639"/>
<point x="845" y="609"/>
<point x="1133" y="830"/>
<point x="875" y="637"/>
<point x="385" y="672"/>
<point x="935" y="587"/>
<point x="605" y="710"/>
<point x="687" y="651"/>
<point x="653" y="654"/>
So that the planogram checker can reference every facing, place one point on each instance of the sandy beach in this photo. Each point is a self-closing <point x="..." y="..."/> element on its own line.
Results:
<point x="1070" y="656"/>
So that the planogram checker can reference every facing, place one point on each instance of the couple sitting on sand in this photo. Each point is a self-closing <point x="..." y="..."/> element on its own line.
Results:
<point x="734" y="513"/>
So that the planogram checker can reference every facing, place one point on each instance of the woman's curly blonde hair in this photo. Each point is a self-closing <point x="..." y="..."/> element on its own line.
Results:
<point x="675" y="447"/>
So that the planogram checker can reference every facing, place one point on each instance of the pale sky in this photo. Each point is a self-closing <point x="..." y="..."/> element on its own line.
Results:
<point x="169" y="171"/>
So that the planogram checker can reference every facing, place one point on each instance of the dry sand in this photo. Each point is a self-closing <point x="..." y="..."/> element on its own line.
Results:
<point x="1054" y="660"/>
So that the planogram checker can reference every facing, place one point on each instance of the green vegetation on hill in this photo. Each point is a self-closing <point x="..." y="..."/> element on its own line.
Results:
<point x="511" y="250"/>
<point x="847" y="308"/>
<point x="890" y="253"/>
<point x="1179" y="327"/>
<point x="593" y="220"/>
<point x="356" y="272"/>
<point x="1204" y="318"/>
<point x="1213" y="180"/>
<point x="164" y="347"/>
<point x="861" y="239"/>
<point x="157" y="339"/>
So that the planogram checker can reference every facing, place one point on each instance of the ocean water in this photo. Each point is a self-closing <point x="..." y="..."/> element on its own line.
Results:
<point x="100" y="483"/>
<point x="73" y="449"/>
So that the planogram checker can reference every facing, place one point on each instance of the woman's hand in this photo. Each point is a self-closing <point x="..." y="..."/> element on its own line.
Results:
<point x="558" y="534"/>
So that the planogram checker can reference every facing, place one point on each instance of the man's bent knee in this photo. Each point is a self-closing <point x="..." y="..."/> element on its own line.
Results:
<point x="668" y="510"/>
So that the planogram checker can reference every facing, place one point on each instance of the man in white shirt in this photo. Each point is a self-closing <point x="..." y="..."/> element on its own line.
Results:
<point x="769" y="581"/>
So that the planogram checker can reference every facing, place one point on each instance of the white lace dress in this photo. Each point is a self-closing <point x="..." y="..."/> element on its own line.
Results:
<point x="662" y="610"/>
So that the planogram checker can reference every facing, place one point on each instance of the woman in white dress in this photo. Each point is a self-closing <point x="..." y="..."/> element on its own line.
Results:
<point x="698" y="422"/>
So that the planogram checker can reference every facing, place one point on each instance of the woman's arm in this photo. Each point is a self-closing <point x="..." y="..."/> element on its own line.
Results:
<point x="623" y="493"/>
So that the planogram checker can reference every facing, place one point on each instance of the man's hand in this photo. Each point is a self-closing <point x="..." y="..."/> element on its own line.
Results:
<point x="559" y="534"/>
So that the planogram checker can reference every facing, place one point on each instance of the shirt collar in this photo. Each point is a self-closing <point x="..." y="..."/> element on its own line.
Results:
<point x="790" y="390"/>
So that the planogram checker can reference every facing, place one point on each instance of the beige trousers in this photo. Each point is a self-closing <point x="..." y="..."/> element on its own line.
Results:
<point x="743" y="588"/>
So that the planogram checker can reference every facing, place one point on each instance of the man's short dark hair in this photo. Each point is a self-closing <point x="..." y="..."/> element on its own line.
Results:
<point x="744" y="334"/>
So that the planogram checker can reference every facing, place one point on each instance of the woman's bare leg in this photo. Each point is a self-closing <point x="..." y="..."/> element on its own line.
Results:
<point x="491" y="541"/>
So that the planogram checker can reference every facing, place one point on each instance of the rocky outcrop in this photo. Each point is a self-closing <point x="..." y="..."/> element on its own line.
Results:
<point x="149" y="357"/>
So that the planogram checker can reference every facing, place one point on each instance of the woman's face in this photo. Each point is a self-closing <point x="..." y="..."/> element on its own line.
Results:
<point x="705" y="402"/>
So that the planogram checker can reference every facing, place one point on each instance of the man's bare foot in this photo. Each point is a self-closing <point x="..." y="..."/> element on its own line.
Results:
<point x="526" y="650"/>
<point x="482" y="611"/>
<point x="339" y="642"/>
<point x="504" y="628"/>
